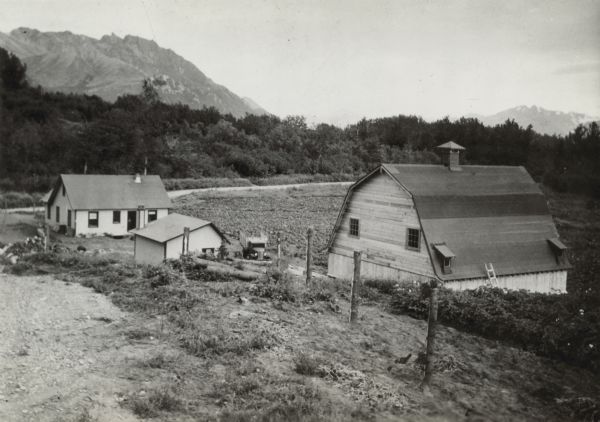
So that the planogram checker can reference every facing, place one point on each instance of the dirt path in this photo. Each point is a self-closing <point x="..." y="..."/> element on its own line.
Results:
<point x="62" y="352"/>
<point x="178" y="193"/>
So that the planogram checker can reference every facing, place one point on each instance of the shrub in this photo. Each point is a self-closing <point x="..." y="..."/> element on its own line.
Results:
<point x="566" y="327"/>
<point x="307" y="365"/>
<point x="158" y="400"/>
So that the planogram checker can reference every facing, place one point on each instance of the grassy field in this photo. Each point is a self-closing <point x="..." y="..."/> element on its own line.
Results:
<point x="280" y="350"/>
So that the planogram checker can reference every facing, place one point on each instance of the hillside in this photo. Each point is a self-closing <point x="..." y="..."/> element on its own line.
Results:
<point x="113" y="66"/>
<point x="544" y="121"/>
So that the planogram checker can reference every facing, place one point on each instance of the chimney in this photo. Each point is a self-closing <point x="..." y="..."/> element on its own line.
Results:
<point x="450" y="154"/>
<point x="138" y="178"/>
<point x="145" y="166"/>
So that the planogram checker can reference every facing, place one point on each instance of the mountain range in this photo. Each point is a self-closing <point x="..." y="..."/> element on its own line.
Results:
<point x="113" y="66"/>
<point x="545" y="121"/>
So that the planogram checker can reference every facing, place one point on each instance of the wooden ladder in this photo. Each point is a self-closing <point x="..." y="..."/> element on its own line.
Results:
<point x="491" y="274"/>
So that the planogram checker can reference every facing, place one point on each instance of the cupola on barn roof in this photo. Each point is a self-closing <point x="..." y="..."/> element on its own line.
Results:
<point x="451" y="145"/>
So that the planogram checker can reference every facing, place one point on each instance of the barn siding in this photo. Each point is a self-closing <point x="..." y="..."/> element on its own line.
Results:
<point x="340" y="266"/>
<point x="385" y="211"/>
<point x="546" y="282"/>
<point x="148" y="251"/>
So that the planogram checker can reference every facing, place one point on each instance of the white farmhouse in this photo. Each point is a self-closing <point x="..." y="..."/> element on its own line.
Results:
<point x="165" y="239"/>
<point x="93" y="204"/>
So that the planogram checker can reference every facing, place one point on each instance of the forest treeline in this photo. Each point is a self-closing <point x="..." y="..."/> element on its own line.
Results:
<point x="43" y="134"/>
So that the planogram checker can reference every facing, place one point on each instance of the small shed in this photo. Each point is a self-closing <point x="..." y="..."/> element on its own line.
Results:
<point x="169" y="238"/>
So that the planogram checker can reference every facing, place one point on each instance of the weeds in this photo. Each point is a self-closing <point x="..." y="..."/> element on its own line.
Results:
<point x="85" y="416"/>
<point x="308" y="365"/>
<point x="219" y="342"/>
<point x="162" y="400"/>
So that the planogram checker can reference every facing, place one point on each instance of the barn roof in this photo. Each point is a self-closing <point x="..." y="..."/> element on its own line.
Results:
<point x="102" y="192"/>
<point x="483" y="214"/>
<point x="172" y="226"/>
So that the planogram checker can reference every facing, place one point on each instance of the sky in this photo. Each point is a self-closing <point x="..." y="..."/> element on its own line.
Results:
<point x="339" y="60"/>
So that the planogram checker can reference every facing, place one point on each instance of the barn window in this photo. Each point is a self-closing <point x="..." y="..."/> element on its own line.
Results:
<point x="151" y="215"/>
<point x="413" y="239"/>
<point x="57" y="214"/>
<point x="354" y="227"/>
<point x="116" y="217"/>
<point x="64" y="190"/>
<point x="93" y="219"/>
<point x="446" y="257"/>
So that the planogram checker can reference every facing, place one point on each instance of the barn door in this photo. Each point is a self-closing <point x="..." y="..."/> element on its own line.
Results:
<point x="68" y="218"/>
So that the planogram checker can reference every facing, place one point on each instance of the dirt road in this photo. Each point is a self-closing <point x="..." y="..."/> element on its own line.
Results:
<point x="63" y="352"/>
<point x="178" y="193"/>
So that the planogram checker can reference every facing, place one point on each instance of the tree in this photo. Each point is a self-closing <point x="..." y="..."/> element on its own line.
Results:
<point x="12" y="71"/>
<point x="149" y="92"/>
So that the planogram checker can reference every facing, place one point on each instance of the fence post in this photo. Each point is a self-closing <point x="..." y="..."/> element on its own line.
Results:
<point x="355" y="286"/>
<point x="278" y="250"/>
<point x="431" y="327"/>
<point x="309" y="235"/>
<point x="185" y="248"/>
<point x="47" y="238"/>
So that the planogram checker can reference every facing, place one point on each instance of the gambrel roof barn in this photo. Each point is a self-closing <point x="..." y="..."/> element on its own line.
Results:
<point x="459" y="224"/>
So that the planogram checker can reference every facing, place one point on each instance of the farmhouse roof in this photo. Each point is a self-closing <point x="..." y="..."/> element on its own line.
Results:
<point x="172" y="226"/>
<point x="483" y="214"/>
<point x="102" y="192"/>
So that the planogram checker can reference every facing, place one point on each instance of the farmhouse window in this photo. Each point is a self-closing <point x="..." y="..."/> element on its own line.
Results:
<point x="49" y="212"/>
<point x="116" y="217"/>
<point x="413" y="239"/>
<point x="93" y="219"/>
<point x="354" y="227"/>
<point x="57" y="214"/>
<point x="151" y="215"/>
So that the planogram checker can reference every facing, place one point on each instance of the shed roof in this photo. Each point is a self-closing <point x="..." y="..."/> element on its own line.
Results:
<point x="102" y="192"/>
<point x="172" y="226"/>
<point x="484" y="214"/>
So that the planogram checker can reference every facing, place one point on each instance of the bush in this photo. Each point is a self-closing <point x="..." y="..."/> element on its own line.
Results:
<point x="566" y="327"/>
<point x="19" y="199"/>
<point x="307" y="365"/>
<point x="156" y="401"/>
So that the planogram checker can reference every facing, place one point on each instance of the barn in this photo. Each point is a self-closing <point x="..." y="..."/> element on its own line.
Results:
<point x="167" y="238"/>
<point x="94" y="204"/>
<point x="466" y="226"/>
